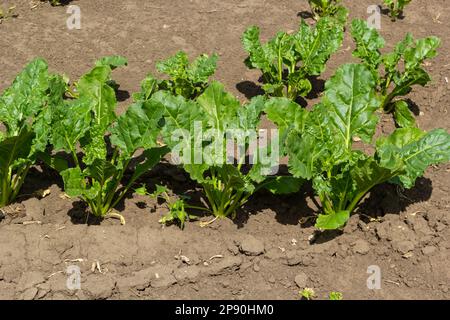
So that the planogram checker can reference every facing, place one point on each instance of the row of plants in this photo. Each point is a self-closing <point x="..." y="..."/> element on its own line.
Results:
<point x="73" y="127"/>
<point x="333" y="8"/>
<point x="327" y="8"/>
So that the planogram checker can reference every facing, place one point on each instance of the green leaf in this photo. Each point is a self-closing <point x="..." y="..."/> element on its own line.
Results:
<point x="43" y="122"/>
<point x="250" y="115"/>
<point x="219" y="106"/>
<point x="351" y="101"/>
<point x="409" y="72"/>
<point x="14" y="149"/>
<point x="137" y="128"/>
<point x="283" y="185"/>
<point x="196" y="171"/>
<point x="100" y="170"/>
<point x="424" y="49"/>
<point x="391" y="60"/>
<point x="202" y="68"/>
<point x="316" y="45"/>
<point x="332" y="221"/>
<point x="367" y="173"/>
<point x="25" y="97"/>
<point x="305" y="157"/>
<point x="286" y="114"/>
<point x="74" y="182"/>
<point x="112" y="61"/>
<point x="71" y="121"/>
<point x="56" y="163"/>
<point x="93" y="88"/>
<point x="149" y="86"/>
<point x="180" y="115"/>
<point x="368" y="44"/>
<point x="417" y="150"/>
<point x="160" y="190"/>
<point x="403" y="116"/>
<point x="259" y="57"/>
<point x="94" y="145"/>
<point x="175" y="66"/>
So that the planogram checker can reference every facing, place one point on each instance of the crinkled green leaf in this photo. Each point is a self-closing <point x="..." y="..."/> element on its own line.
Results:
<point x="175" y="66"/>
<point x="100" y="170"/>
<point x="259" y="57"/>
<point x="403" y="116"/>
<point x="14" y="149"/>
<point x="330" y="9"/>
<point x="43" y="123"/>
<point x="368" y="45"/>
<point x="316" y="45"/>
<point x="74" y="182"/>
<point x="93" y="88"/>
<point x="351" y="101"/>
<point x="71" y="122"/>
<point x="332" y="221"/>
<point x="179" y="114"/>
<point x="417" y="150"/>
<point x="112" y="61"/>
<point x="25" y="97"/>
<point x="149" y="86"/>
<point x="286" y="114"/>
<point x="219" y="106"/>
<point x="137" y="128"/>
<point x="94" y="145"/>
<point x="305" y="155"/>
<point x="202" y="68"/>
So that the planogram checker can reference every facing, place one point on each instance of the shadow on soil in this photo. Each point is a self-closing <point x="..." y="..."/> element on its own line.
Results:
<point x="305" y="15"/>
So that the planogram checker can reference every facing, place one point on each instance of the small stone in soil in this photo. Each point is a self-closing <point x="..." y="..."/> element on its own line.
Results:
<point x="428" y="250"/>
<point x="252" y="246"/>
<point x="301" y="280"/>
<point x="233" y="249"/>
<point x="33" y="209"/>
<point x="403" y="246"/>
<point x="361" y="246"/>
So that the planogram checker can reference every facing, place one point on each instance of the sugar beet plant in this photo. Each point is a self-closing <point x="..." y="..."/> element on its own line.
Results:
<point x="184" y="78"/>
<point x="288" y="61"/>
<point x="25" y="109"/>
<point x="396" y="7"/>
<point x="328" y="8"/>
<point x="395" y="72"/>
<point x="320" y="145"/>
<point x="101" y="144"/>
<point x="198" y="133"/>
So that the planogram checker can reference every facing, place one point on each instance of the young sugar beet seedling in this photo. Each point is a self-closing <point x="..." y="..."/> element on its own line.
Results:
<point x="328" y="8"/>
<point x="186" y="79"/>
<point x="82" y="124"/>
<point x="289" y="60"/>
<point x="25" y="110"/>
<point x="199" y="133"/>
<point x="319" y="145"/>
<point x="395" y="72"/>
<point x="177" y="206"/>
<point x="396" y="7"/>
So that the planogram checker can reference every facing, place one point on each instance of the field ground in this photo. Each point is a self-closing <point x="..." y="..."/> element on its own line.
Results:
<point x="266" y="253"/>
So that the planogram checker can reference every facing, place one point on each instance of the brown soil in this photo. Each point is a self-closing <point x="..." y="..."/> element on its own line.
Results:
<point x="263" y="252"/>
